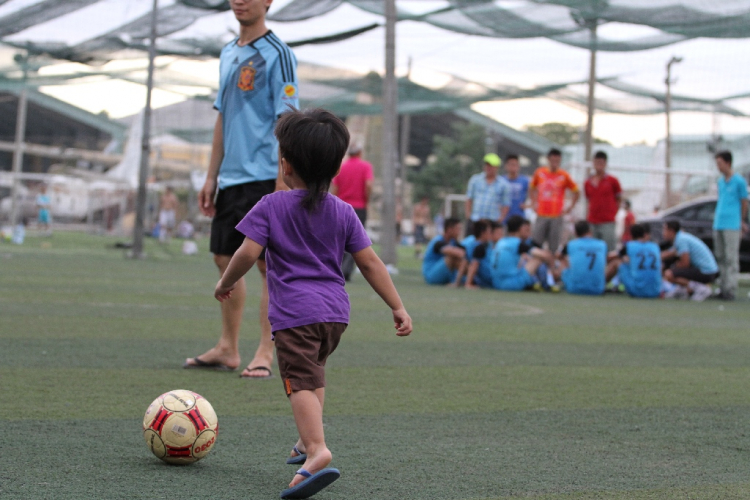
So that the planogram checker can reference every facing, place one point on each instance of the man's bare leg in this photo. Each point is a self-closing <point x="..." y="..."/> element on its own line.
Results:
<point x="227" y="350"/>
<point x="264" y="354"/>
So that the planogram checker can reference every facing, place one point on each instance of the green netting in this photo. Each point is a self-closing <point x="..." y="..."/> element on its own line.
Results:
<point x="568" y="22"/>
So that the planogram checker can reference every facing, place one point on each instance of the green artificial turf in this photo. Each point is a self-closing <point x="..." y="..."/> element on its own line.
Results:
<point x="495" y="395"/>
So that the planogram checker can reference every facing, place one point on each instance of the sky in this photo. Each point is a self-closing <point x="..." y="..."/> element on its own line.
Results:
<point x="710" y="68"/>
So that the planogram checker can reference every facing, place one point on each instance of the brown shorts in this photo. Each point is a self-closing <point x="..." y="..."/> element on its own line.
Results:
<point x="302" y="352"/>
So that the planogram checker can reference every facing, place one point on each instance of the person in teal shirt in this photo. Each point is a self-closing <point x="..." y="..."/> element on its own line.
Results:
<point x="695" y="267"/>
<point x="729" y="223"/>
<point x="639" y="264"/>
<point x="443" y="255"/>
<point x="586" y="259"/>
<point x="516" y="259"/>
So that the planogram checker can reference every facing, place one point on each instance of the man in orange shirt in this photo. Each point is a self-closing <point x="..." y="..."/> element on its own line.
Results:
<point x="548" y="199"/>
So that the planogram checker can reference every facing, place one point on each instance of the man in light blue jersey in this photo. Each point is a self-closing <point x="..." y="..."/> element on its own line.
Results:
<point x="516" y="259"/>
<point x="258" y="82"/>
<point x="695" y="267"/>
<point x="638" y="265"/>
<point x="443" y="255"/>
<point x="730" y="221"/>
<point x="585" y="262"/>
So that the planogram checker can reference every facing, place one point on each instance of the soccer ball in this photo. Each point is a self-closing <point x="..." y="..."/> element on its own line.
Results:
<point x="180" y="427"/>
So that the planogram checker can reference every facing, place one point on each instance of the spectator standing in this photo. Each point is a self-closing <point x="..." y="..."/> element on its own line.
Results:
<point x="488" y="195"/>
<point x="420" y="217"/>
<point x="43" y="204"/>
<point x="353" y="185"/>
<point x="519" y="187"/>
<point x="257" y="83"/>
<point x="603" y="192"/>
<point x="547" y="195"/>
<point x="167" y="214"/>
<point x="729" y="224"/>
<point x="628" y="222"/>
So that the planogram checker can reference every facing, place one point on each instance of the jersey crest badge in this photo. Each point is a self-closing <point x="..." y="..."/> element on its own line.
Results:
<point x="246" y="81"/>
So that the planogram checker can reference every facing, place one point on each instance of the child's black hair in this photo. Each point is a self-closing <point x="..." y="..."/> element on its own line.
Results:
<point x="314" y="142"/>
<point x="480" y="227"/>
<point x="638" y="231"/>
<point x="515" y="222"/>
<point x="582" y="228"/>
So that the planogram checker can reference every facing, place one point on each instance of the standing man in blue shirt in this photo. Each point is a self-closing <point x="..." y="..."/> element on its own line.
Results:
<point x="258" y="82"/>
<point x="488" y="195"/>
<point x="519" y="187"/>
<point x="729" y="224"/>
<point x="695" y="267"/>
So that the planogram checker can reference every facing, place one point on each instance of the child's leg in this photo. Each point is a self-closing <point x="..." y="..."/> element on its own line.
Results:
<point x="300" y="445"/>
<point x="307" y="407"/>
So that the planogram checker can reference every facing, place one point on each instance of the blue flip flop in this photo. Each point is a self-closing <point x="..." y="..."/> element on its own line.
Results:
<point x="313" y="484"/>
<point x="297" y="459"/>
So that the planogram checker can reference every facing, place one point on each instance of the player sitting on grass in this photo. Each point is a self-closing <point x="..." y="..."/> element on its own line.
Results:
<point x="477" y="248"/>
<point x="584" y="260"/>
<point x="305" y="232"/>
<point x="483" y="269"/>
<point x="516" y="259"/>
<point x="443" y="255"/>
<point x="638" y="265"/>
<point x="695" y="267"/>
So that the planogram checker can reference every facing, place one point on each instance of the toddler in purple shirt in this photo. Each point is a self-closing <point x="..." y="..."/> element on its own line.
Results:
<point x="305" y="232"/>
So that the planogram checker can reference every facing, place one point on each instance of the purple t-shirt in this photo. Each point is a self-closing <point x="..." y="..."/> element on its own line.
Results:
<point x="303" y="256"/>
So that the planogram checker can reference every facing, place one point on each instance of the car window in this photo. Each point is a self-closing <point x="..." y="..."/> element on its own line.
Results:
<point x="686" y="213"/>
<point x="705" y="212"/>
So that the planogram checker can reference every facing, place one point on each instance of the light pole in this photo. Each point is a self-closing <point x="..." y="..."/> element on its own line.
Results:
<point x="23" y="61"/>
<point x="668" y="143"/>
<point x="390" y="145"/>
<point x="140" y="206"/>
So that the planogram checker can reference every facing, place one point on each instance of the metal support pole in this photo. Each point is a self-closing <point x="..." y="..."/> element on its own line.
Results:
<point x="592" y="86"/>
<point x="20" y="139"/>
<point x="668" y="141"/>
<point x="390" y="146"/>
<point x="405" y="135"/>
<point x="140" y="207"/>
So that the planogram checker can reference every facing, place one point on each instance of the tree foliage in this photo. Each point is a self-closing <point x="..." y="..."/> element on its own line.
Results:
<point x="561" y="133"/>
<point x="455" y="160"/>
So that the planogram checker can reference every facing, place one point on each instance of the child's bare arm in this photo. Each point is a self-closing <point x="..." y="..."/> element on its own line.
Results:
<point x="377" y="276"/>
<point x="242" y="261"/>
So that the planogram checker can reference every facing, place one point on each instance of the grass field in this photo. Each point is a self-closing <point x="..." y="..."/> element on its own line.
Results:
<point x="495" y="395"/>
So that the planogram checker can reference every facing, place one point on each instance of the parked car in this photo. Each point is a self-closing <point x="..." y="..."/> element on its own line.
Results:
<point x="697" y="217"/>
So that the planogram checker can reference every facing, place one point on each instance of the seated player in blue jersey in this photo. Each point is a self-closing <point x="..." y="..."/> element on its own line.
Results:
<point x="515" y="258"/>
<point x="483" y="260"/>
<point x="695" y="267"/>
<point x="584" y="260"/>
<point x="443" y="255"/>
<point x="476" y="247"/>
<point x="638" y="266"/>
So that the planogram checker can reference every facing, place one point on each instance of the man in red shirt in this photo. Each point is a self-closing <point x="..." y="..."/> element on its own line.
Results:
<point x="603" y="192"/>
<point x="353" y="184"/>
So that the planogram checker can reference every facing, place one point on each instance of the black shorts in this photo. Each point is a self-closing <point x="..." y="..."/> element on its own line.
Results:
<point x="232" y="204"/>
<point x="693" y="274"/>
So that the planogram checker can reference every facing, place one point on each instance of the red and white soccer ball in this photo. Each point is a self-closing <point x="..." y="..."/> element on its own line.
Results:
<point x="180" y="427"/>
